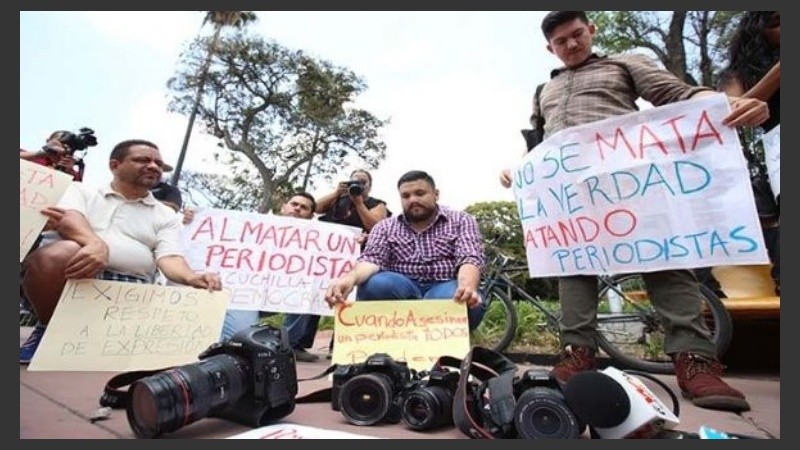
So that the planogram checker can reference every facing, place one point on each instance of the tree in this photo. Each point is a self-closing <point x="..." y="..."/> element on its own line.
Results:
<point x="690" y="44"/>
<point x="286" y="119"/>
<point x="500" y="226"/>
<point x="220" y="19"/>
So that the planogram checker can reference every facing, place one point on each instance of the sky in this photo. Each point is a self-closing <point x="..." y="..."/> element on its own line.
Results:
<point x="456" y="86"/>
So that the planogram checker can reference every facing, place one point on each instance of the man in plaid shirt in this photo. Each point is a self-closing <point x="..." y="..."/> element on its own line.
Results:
<point x="428" y="252"/>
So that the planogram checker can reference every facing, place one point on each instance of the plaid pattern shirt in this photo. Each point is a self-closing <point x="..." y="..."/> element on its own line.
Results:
<point x="434" y="254"/>
<point x="115" y="276"/>
<point x="607" y="86"/>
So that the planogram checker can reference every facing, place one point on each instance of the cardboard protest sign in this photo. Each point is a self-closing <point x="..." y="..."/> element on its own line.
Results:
<point x="103" y="325"/>
<point x="270" y="262"/>
<point x="772" y="156"/>
<point x="664" y="188"/>
<point x="39" y="187"/>
<point x="415" y="331"/>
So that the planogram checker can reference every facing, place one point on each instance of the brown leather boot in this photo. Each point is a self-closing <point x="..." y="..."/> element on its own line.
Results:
<point x="699" y="380"/>
<point x="574" y="359"/>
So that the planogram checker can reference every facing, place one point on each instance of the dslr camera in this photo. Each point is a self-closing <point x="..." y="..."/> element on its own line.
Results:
<point x="82" y="140"/>
<point x="370" y="392"/>
<point x="354" y="187"/>
<point x="541" y="411"/>
<point x="428" y="403"/>
<point x="251" y="379"/>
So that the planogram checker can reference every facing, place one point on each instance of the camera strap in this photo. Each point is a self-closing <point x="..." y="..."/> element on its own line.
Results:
<point x="484" y="409"/>
<point x="113" y="396"/>
<point x="318" y="396"/>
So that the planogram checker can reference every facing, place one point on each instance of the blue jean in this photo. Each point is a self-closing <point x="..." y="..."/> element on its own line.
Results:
<point x="394" y="286"/>
<point x="301" y="329"/>
<point x="237" y="319"/>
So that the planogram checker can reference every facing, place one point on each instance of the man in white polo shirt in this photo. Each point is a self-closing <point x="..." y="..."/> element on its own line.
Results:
<point x="115" y="232"/>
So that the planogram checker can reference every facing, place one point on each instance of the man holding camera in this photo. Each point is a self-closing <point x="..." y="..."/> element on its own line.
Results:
<point x="168" y="194"/>
<point x="59" y="152"/>
<point x="350" y="204"/>
<point x="117" y="232"/>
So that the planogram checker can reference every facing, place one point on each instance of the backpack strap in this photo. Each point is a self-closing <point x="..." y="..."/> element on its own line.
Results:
<point x="535" y="135"/>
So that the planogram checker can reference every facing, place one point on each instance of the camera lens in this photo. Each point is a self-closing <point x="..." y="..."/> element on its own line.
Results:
<point x="541" y="413"/>
<point x="366" y="399"/>
<point x="355" y="189"/>
<point x="177" y="397"/>
<point x="428" y="407"/>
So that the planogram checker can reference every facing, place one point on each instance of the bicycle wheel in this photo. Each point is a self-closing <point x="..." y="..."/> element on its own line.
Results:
<point x="499" y="324"/>
<point x="634" y="336"/>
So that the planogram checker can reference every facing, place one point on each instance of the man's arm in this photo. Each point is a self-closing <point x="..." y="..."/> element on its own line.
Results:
<point x="176" y="269"/>
<point x="767" y="86"/>
<point x="470" y="260"/>
<point x="92" y="258"/>
<point x="370" y="217"/>
<point x="744" y="111"/>
<point x="340" y="288"/>
<point x="469" y="278"/>
<point x="327" y="201"/>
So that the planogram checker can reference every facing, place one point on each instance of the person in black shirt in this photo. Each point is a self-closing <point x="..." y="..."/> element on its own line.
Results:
<point x="168" y="194"/>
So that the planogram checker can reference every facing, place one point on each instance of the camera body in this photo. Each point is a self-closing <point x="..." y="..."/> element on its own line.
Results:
<point x="370" y="392"/>
<point x="541" y="411"/>
<point x="250" y="378"/>
<point x="354" y="187"/>
<point x="273" y="372"/>
<point x="428" y="403"/>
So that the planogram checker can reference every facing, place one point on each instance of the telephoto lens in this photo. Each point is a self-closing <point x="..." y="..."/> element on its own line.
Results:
<point x="171" y="399"/>
<point x="251" y="378"/>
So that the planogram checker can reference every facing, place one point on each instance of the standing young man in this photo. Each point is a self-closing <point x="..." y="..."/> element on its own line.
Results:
<point x="589" y="88"/>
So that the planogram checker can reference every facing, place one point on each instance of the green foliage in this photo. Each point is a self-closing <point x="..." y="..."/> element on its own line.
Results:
<point x="691" y="44"/>
<point x="499" y="223"/>
<point x="284" y="120"/>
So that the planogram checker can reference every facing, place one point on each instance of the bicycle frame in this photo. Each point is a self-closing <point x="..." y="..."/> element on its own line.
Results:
<point x="499" y="279"/>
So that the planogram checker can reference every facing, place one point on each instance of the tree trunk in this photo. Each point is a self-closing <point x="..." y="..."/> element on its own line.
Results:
<point x="198" y="97"/>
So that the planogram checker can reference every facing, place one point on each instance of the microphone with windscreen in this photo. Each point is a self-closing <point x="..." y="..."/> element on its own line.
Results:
<point x="598" y="399"/>
<point x="617" y="405"/>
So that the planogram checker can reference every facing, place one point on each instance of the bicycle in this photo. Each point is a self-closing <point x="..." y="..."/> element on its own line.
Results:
<point x="629" y="331"/>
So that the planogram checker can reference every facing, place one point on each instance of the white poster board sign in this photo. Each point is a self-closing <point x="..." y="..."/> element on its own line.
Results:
<point x="664" y="188"/>
<point x="39" y="187"/>
<point x="101" y="325"/>
<point x="293" y="431"/>
<point x="271" y="262"/>
<point x="772" y="156"/>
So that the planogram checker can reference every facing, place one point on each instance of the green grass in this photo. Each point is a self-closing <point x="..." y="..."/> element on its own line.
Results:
<point x="533" y="334"/>
<point x="276" y="320"/>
